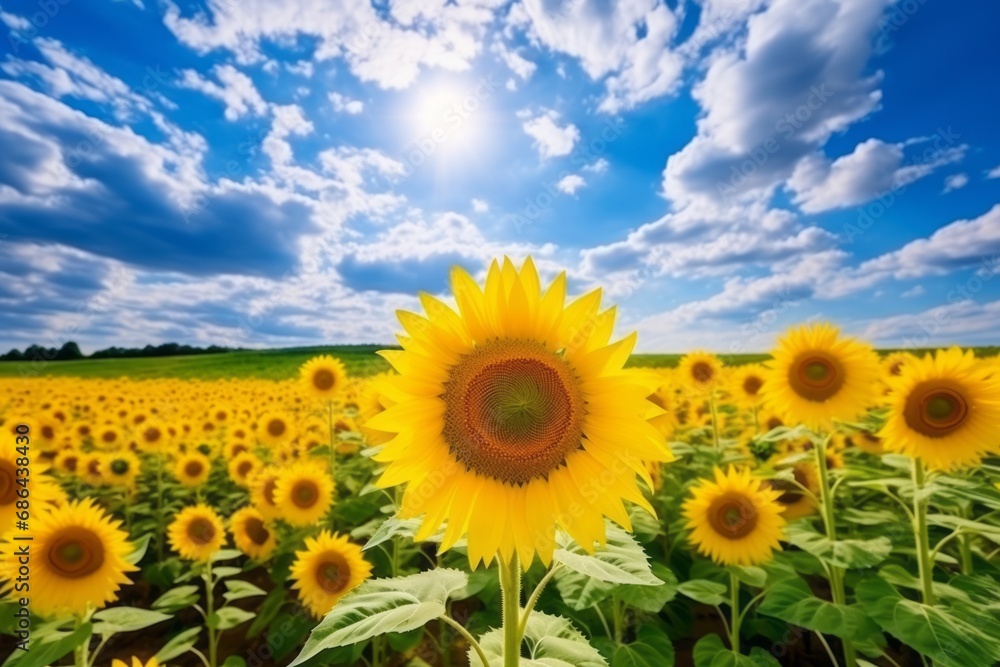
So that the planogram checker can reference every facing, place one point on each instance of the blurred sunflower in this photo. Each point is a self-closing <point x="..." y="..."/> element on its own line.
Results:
<point x="251" y="533"/>
<point x="666" y="421"/>
<point x="945" y="410"/>
<point x="78" y="560"/>
<point x="136" y="662"/>
<point x="795" y="502"/>
<point x="817" y="377"/>
<point x="864" y="440"/>
<point x="327" y="569"/>
<point x="746" y="384"/>
<point x="323" y="377"/>
<point x="121" y="468"/>
<point x="274" y="428"/>
<point x="262" y="485"/>
<point x="196" y="533"/>
<point x="68" y="461"/>
<point x="108" y="436"/>
<point x="511" y="406"/>
<point x="303" y="494"/>
<point x="91" y="467"/>
<point x="192" y="469"/>
<point x="243" y="466"/>
<point x="734" y="519"/>
<point x="699" y="370"/>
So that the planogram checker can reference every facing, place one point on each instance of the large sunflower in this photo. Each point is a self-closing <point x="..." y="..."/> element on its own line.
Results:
<point x="736" y="520"/>
<point x="303" y="494"/>
<point x="78" y="559"/>
<point x="196" y="533"/>
<point x="251" y="533"/>
<point x="513" y="415"/>
<point x="327" y="569"/>
<point x="817" y="377"/>
<point x="944" y="409"/>
<point x="323" y="377"/>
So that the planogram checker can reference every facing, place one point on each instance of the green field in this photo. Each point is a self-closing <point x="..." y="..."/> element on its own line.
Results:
<point x="274" y="364"/>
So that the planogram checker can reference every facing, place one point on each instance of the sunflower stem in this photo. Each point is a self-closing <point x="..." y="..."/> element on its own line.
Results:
<point x="510" y="587"/>
<point x="924" y="562"/>
<point x="734" y="610"/>
<point x="213" y="639"/>
<point x="530" y="606"/>
<point x="333" y="451"/>
<point x="965" y="548"/>
<point x="836" y="574"/>
<point x="80" y="658"/>
<point x="715" y="419"/>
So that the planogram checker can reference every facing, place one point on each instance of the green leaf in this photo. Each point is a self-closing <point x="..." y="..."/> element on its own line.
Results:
<point x="226" y="554"/>
<point x="645" y="526"/>
<point x="711" y="652"/>
<point x="750" y="575"/>
<point x="176" y="599"/>
<point x="43" y="654"/>
<point x="237" y="589"/>
<point x="841" y="553"/>
<point x="220" y="573"/>
<point x="125" y="619"/>
<point x="876" y="517"/>
<point x="552" y="641"/>
<point x="704" y="591"/>
<point x="622" y="561"/>
<point x="792" y="601"/>
<point x="228" y="617"/>
<point x="651" y="598"/>
<point x="379" y="606"/>
<point x="141" y="545"/>
<point x="234" y="661"/>
<point x="957" y="636"/>
<point x="581" y="591"/>
<point x="651" y="648"/>
<point x="393" y="528"/>
<point x="183" y="642"/>
<point x="967" y="525"/>
<point x="268" y="610"/>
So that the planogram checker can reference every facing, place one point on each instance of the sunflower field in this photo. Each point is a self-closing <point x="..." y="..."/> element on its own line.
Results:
<point x="511" y="493"/>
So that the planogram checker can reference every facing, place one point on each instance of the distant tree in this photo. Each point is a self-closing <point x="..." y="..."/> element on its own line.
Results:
<point x="69" y="350"/>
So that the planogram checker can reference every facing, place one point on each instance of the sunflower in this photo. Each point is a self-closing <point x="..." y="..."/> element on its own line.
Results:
<point x="235" y="447"/>
<point x="795" y="502"/>
<point x="275" y="428"/>
<point x="192" y="469"/>
<point x="91" y="468"/>
<point x="196" y="533"/>
<point x="78" y="560"/>
<point x="699" y="370"/>
<point x="108" y="436"/>
<point x="303" y="494"/>
<point x="121" y="468"/>
<point x="892" y="363"/>
<point x="251" y="533"/>
<point x="136" y="662"/>
<point x="745" y="385"/>
<point x="864" y="440"/>
<point x="323" y="377"/>
<point x="243" y="466"/>
<point x="515" y="414"/>
<point x="68" y="461"/>
<point x="328" y="568"/>
<point x="262" y="485"/>
<point x="43" y="491"/>
<point x="817" y="376"/>
<point x="735" y="519"/>
<point x="152" y="438"/>
<point x="944" y="409"/>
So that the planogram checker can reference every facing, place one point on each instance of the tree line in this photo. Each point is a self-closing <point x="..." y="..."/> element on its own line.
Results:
<point x="71" y="350"/>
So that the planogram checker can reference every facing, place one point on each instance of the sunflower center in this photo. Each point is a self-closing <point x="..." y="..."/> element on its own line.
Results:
<point x="94" y="467"/>
<point x="75" y="553"/>
<point x="333" y="573"/>
<point x="276" y="428"/>
<point x="256" y="531"/>
<point x="305" y="494"/>
<point x="70" y="463"/>
<point x="119" y="466"/>
<point x="936" y="408"/>
<point x="732" y="515"/>
<point x="201" y="531"/>
<point x="151" y="434"/>
<point x="773" y="423"/>
<point x="323" y="379"/>
<point x="752" y="385"/>
<point x="8" y="483"/>
<point x="48" y="433"/>
<point x="244" y="468"/>
<point x="702" y="372"/>
<point x="896" y="368"/>
<point x="816" y="377"/>
<point x="193" y="468"/>
<point x="513" y="411"/>
<point x="269" y="486"/>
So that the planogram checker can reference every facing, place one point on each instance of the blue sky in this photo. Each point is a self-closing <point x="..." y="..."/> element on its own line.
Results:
<point x="258" y="173"/>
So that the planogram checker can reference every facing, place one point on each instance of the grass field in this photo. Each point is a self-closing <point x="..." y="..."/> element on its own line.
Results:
<point x="276" y="364"/>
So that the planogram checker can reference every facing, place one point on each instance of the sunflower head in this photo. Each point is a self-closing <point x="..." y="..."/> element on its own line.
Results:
<point x="262" y="487"/>
<point x="817" y="377"/>
<point x="136" y="662"/>
<point x="243" y="466"/>
<point x="196" y="533"/>
<point x="251" y="533"/>
<point x="78" y="560"/>
<point x="699" y="370"/>
<point x="506" y="412"/>
<point x="303" y="494"/>
<point x="746" y="385"/>
<point x="327" y="569"/>
<point x="323" y="377"/>
<point x="793" y="499"/>
<point x="192" y="469"/>
<point x="275" y="428"/>
<point x="734" y="519"/>
<point x="944" y="409"/>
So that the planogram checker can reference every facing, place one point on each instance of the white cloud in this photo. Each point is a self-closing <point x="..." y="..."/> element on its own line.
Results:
<point x="570" y="183"/>
<point x="480" y="206"/>
<point x="301" y="68"/>
<point x="519" y="65"/>
<point x="235" y="89"/>
<point x="961" y="320"/>
<point x="551" y="139"/>
<point x="955" y="182"/>
<point x="994" y="172"/>
<point x="342" y="103"/>
<point x="916" y="290"/>
<point x="598" y="166"/>
<point x="13" y="21"/>
<point x="289" y="120"/>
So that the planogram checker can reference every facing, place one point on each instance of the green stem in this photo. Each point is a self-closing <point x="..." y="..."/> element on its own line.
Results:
<point x="734" y="610"/>
<point x="924" y="563"/>
<point x="333" y="450"/>
<point x="715" y="419"/>
<point x="510" y="586"/>
<point x="80" y="658"/>
<point x="161" y="536"/>
<point x="829" y="520"/>
<point x="965" y="549"/>
<point x="469" y="638"/>
<point x="530" y="606"/>
<point x="213" y="637"/>
<point x="616" y="617"/>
